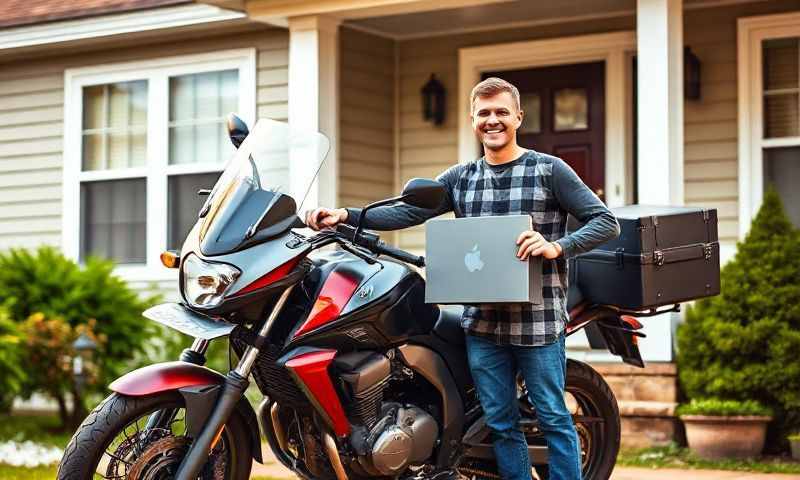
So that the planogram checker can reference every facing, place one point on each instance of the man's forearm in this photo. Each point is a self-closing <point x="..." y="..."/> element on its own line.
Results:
<point x="394" y="217"/>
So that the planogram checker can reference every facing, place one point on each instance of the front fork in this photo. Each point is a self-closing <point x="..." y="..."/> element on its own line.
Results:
<point x="235" y="385"/>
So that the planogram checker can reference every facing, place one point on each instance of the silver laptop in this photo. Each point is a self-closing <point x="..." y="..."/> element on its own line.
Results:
<point x="474" y="260"/>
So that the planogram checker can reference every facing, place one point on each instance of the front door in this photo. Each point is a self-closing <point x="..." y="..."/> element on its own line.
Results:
<point x="565" y="115"/>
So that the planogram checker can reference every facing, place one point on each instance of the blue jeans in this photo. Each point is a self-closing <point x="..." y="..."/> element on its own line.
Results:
<point x="494" y="368"/>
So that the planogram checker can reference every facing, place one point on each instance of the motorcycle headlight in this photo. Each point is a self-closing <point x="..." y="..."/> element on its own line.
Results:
<point x="205" y="283"/>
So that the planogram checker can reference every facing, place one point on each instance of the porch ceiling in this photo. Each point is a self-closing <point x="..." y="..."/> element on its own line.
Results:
<point x="505" y="14"/>
<point x="513" y="13"/>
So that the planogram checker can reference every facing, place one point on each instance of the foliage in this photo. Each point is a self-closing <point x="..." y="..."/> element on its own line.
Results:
<point x="11" y="374"/>
<point x="47" y="283"/>
<point x="723" y="408"/>
<point x="48" y="341"/>
<point x="743" y="343"/>
<point x="673" y="456"/>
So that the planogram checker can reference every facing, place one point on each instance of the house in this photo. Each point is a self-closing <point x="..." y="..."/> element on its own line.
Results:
<point x="111" y="114"/>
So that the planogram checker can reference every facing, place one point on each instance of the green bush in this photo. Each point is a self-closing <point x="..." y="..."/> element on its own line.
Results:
<point x="723" y="408"/>
<point x="743" y="344"/>
<point x="11" y="373"/>
<point x="45" y="282"/>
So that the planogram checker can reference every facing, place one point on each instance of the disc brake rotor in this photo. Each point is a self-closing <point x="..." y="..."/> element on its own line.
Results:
<point x="161" y="459"/>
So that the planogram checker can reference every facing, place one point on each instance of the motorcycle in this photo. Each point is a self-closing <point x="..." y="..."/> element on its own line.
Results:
<point x="360" y="377"/>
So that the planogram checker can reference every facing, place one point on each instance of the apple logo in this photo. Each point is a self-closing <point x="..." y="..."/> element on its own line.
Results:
<point x="473" y="259"/>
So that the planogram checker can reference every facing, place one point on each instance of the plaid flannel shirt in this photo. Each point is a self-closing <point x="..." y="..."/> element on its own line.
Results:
<point x="536" y="184"/>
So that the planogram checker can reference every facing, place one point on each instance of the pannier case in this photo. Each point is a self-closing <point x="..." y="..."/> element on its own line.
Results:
<point x="664" y="255"/>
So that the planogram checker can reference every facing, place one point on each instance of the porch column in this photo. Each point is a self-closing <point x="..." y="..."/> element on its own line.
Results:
<point x="659" y="33"/>
<point x="313" y="105"/>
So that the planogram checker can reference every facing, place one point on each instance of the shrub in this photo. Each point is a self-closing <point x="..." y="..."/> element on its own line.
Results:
<point x="11" y="374"/>
<point x="45" y="282"/>
<point x="48" y="342"/>
<point x="743" y="343"/>
<point x="723" y="408"/>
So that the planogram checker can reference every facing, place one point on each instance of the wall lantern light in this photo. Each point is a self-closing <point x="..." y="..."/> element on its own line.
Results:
<point x="84" y="348"/>
<point x="691" y="74"/>
<point x="433" y="101"/>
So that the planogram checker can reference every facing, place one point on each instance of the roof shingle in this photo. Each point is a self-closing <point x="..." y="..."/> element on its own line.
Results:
<point x="15" y="13"/>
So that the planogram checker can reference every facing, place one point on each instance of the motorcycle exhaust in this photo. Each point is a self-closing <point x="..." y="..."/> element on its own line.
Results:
<point x="333" y="455"/>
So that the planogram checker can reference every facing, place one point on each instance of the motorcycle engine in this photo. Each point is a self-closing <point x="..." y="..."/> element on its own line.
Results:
<point x="387" y="436"/>
<point x="405" y="435"/>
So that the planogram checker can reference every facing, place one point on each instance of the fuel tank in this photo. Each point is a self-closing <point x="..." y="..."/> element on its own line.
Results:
<point x="359" y="306"/>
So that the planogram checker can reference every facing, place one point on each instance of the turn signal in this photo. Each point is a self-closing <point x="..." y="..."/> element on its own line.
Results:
<point x="171" y="259"/>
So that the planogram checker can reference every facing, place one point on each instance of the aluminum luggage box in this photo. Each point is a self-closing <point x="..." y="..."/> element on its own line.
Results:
<point x="664" y="255"/>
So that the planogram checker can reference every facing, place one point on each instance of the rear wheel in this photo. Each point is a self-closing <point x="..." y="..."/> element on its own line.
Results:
<point x="596" y="415"/>
<point x="112" y="442"/>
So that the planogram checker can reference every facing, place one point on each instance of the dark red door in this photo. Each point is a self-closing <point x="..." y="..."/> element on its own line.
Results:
<point x="564" y="115"/>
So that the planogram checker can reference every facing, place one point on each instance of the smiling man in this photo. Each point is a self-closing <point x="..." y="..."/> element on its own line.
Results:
<point x="503" y="339"/>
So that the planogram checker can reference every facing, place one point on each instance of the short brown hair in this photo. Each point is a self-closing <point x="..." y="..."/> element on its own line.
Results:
<point x="493" y="86"/>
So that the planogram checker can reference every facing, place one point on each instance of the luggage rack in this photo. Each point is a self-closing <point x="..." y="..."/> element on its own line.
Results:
<point x="649" y="312"/>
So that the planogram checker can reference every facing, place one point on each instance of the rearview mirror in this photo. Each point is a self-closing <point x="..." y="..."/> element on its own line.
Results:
<point x="424" y="193"/>
<point x="237" y="129"/>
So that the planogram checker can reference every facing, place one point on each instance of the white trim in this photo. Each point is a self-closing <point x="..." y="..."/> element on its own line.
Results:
<point x="157" y="73"/>
<point x="114" y="24"/>
<point x="612" y="48"/>
<point x="751" y="31"/>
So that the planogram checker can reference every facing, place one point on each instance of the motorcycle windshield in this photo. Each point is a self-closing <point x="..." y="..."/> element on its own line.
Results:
<point x="251" y="202"/>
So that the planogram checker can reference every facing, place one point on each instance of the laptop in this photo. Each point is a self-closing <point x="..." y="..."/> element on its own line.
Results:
<point x="474" y="260"/>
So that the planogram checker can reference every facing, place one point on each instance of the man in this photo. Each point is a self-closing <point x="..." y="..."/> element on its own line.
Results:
<point x="504" y="338"/>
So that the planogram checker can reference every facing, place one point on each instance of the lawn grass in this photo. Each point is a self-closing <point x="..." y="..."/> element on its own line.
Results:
<point x="42" y="429"/>
<point x="673" y="456"/>
<point x="20" y="473"/>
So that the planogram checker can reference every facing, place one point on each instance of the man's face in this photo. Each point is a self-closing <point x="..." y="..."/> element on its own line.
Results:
<point x="495" y="120"/>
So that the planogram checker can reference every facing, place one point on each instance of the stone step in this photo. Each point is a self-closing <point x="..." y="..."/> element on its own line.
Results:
<point x="657" y="382"/>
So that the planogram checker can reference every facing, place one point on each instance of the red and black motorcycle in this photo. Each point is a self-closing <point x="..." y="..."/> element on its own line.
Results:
<point x="360" y="377"/>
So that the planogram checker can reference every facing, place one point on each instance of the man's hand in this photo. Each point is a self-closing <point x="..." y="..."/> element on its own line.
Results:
<point x="322" y="217"/>
<point x="532" y="244"/>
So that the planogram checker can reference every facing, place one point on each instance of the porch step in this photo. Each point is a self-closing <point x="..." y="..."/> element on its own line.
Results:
<point x="647" y="398"/>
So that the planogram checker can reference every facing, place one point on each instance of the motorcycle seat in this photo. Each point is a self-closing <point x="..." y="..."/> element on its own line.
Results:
<point x="448" y="326"/>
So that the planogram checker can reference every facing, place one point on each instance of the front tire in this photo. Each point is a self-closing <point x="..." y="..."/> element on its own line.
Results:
<point x="98" y="445"/>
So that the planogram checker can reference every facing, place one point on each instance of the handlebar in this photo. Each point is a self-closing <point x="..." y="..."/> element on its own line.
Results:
<point x="373" y="243"/>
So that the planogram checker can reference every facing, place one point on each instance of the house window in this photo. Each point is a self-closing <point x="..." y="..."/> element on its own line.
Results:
<point x="142" y="138"/>
<point x="781" y="120"/>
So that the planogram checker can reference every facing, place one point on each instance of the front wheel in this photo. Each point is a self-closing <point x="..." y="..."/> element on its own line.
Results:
<point x="113" y="442"/>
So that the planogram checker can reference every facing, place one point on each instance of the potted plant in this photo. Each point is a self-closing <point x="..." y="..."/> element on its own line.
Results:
<point x="794" y="441"/>
<point x="725" y="428"/>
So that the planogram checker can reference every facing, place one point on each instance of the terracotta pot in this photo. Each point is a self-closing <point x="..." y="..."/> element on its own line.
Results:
<point x="725" y="437"/>
<point x="795" y="448"/>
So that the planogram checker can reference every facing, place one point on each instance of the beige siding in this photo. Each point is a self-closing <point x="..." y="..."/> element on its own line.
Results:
<point x="366" y="160"/>
<point x="31" y="123"/>
<point x="426" y="150"/>
<point x="711" y="129"/>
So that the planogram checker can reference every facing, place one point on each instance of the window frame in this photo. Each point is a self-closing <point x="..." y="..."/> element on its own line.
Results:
<point x="157" y="169"/>
<point x="751" y="33"/>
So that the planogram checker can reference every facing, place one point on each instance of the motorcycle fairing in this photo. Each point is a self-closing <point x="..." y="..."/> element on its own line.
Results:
<point x="254" y="262"/>
<point x="171" y="376"/>
<point x="180" y="318"/>
<point x="309" y="369"/>
<point x="336" y="291"/>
